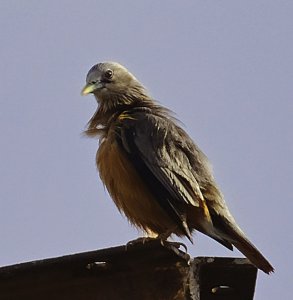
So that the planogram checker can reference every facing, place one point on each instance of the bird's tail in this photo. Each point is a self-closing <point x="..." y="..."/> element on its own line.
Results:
<point x="236" y="236"/>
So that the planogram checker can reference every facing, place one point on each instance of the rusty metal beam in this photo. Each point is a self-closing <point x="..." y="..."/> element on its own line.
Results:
<point x="140" y="271"/>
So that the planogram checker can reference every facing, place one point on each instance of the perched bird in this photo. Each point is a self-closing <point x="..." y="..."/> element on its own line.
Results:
<point x="157" y="176"/>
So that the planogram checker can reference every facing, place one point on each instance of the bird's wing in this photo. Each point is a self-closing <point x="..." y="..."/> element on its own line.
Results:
<point x="154" y="146"/>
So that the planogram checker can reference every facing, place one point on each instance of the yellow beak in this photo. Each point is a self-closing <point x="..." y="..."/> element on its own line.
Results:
<point x="89" y="88"/>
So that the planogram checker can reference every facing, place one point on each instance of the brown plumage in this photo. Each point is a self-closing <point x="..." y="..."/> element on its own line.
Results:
<point x="157" y="176"/>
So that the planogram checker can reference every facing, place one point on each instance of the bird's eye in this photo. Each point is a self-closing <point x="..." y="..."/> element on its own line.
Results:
<point x="109" y="74"/>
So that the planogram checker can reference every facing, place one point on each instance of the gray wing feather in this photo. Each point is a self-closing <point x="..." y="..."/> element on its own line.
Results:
<point x="156" y="139"/>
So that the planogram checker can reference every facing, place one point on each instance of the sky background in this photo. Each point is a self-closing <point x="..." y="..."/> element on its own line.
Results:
<point x="226" y="69"/>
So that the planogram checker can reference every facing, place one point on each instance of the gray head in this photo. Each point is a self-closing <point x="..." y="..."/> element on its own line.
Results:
<point x="112" y="83"/>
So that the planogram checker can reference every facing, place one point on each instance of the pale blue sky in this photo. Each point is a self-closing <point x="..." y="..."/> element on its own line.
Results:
<point x="226" y="69"/>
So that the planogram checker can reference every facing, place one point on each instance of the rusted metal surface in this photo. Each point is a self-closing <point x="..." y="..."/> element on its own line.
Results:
<point x="139" y="271"/>
<point x="222" y="278"/>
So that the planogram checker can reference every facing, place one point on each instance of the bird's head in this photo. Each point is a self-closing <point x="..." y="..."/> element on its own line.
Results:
<point x="113" y="85"/>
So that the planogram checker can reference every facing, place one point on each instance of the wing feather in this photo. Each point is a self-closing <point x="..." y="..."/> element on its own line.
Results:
<point x="149" y="140"/>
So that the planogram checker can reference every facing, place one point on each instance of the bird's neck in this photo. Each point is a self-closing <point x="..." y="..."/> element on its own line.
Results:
<point x="108" y="109"/>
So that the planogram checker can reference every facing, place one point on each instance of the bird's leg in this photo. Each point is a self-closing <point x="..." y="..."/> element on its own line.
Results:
<point x="173" y="246"/>
<point x="177" y="245"/>
<point x="162" y="237"/>
<point x="164" y="241"/>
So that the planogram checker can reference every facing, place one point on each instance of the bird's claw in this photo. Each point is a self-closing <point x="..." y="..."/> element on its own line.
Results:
<point x="163" y="242"/>
<point x="140" y="240"/>
<point x="172" y="245"/>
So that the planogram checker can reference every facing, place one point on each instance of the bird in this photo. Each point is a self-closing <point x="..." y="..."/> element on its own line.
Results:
<point x="155" y="173"/>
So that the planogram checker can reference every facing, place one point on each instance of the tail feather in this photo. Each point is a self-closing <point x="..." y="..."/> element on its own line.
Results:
<point x="253" y="254"/>
<point x="239" y="240"/>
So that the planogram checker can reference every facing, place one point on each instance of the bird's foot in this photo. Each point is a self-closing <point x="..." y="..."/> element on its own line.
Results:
<point x="159" y="240"/>
<point x="141" y="240"/>
<point x="162" y="239"/>
<point x="172" y="245"/>
<point x="175" y="247"/>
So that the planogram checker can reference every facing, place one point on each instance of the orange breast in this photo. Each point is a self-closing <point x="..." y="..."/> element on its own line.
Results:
<point x="128" y="190"/>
